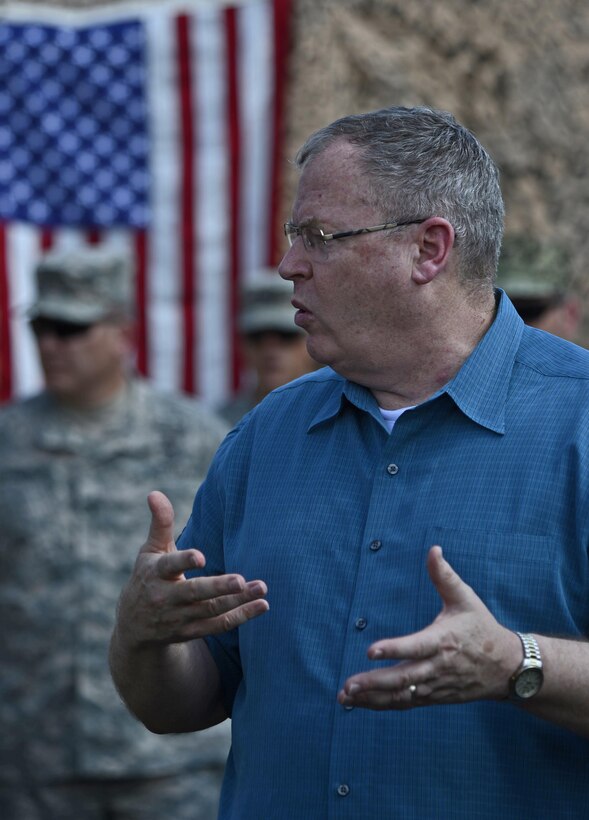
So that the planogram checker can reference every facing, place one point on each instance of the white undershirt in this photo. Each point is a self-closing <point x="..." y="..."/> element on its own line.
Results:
<point x="390" y="416"/>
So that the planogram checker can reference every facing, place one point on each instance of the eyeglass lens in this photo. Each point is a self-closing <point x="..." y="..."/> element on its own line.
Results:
<point x="58" y="328"/>
<point x="312" y="239"/>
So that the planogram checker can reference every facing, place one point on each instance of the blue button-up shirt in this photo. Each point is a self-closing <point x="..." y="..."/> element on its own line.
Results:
<point x="312" y="495"/>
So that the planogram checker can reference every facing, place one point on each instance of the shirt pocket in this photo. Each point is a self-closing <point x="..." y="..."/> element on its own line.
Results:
<point x="514" y="574"/>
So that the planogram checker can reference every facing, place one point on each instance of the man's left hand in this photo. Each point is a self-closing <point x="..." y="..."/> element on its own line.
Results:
<point x="464" y="655"/>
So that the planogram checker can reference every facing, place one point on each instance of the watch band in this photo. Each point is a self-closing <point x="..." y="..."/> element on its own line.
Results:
<point x="531" y="648"/>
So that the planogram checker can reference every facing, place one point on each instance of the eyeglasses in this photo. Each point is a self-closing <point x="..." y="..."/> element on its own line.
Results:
<point x="315" y="240"/>
<point x="59" y="328"/>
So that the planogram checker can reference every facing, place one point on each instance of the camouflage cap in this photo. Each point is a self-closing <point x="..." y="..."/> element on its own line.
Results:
<point x="85" y="285"/>
<point x="532" y="270"/>
<point x="266" y="304"/>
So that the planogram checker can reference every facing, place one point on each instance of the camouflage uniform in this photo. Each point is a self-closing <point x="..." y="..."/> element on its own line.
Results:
<point x="73" y="513"/>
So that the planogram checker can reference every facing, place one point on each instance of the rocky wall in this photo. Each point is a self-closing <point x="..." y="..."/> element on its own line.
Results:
<point x="514" y="71"/>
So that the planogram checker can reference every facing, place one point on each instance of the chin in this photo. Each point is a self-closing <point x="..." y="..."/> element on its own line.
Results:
<point x="320" y="353"/>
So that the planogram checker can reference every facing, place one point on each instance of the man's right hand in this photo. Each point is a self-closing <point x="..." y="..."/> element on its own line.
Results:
<point x="160" y="605"/>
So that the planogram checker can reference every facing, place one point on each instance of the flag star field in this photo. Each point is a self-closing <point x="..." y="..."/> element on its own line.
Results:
<point x="74" y="142"/>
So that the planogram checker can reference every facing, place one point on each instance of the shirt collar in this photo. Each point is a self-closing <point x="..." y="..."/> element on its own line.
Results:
<point x="479" y="388"/>
<point x="481" y="385"/>
<point x="344" y="392"/>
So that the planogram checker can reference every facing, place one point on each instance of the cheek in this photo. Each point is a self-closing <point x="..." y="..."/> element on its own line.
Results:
<point x="92" y="358"/>
<point x="110" y="356"/>
<point x="343" y="287"/>
<point x="344" y="312"/>
<point x="106" y="346"/>
<point x="251" y="356"/>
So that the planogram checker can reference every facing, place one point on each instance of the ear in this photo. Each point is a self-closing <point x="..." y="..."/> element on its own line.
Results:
<point x="436" y="240"/>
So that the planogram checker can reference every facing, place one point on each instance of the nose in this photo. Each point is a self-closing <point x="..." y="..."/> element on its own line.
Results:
<point x="295" y="262"/>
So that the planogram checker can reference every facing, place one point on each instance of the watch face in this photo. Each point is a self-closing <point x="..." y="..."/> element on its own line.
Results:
<point x="528" y="682"/>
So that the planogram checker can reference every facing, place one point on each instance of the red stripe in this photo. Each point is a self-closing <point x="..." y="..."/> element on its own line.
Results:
<point x="5" y="345"/>
<point x="281" y="43"/>
<point x="234" y="138"/>
<point x="46" y="238"/>
<point x="187" y="202"/>
<point x="93" y="236"/>
<point x="141" y="297"/>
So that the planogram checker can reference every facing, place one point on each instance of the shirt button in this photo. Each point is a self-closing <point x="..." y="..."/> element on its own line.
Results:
<point x="361" y="623"/>
<point x="343" y="790"/>
<point x="348" y="708"/>
<point x="375" y="545"/>
<point x="392" y="469"/>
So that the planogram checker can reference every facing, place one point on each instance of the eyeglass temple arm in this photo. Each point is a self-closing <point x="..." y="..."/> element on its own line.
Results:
<point x="358" y="231"/>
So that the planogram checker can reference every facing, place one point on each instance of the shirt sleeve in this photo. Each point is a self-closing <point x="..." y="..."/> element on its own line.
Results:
<point x="204" y="531"/>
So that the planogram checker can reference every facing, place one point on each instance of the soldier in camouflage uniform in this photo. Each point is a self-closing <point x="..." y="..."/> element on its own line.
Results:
<point x="76" y="464"/>
<point x="274" y="348"/>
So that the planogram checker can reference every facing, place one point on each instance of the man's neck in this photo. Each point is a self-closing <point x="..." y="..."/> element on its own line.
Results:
<point x="435" y="360"/>
<point x="94" y="401"/>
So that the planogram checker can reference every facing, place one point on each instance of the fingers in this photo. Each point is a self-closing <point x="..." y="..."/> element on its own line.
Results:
<point x="165" y="607"/>
<point x="209" y="606"/>
<point x="406" y="686"/>
<point x="231" y="590"/>
<point x="389" y="688"/>
<point x="417" y="646"/>
<point x="160" y="539"/>
<point x="450" y="586"/>
<point x="457" y="597"/>
<point x="453" y="660"/>
<point x="173" y="565"/>
<point x="235" y="617"/>
<point x="444" y="639"/>
<point x="161" y="531"/>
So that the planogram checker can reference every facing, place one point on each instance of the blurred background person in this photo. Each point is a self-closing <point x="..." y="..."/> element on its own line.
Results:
<point x="536" y="278"/>
<point x="274" y="348"/>
<point x="76" y="464"/>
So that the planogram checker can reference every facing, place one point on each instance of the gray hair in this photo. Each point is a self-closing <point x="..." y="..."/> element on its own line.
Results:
<point x="423" y="163"/>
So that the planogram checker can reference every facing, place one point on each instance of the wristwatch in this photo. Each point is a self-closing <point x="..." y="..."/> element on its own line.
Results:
<point x="527" y="680"/>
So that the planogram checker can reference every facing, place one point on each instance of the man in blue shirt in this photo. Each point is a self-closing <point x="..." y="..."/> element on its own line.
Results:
<point x="415" y="517"/>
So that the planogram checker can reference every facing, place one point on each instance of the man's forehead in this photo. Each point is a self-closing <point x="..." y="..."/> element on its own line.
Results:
<point x="338" y="159"/>
<point x="331" y="182"/>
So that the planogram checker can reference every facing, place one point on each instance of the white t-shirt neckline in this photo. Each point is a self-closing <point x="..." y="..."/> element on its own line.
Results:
<point x="390" y="416"/>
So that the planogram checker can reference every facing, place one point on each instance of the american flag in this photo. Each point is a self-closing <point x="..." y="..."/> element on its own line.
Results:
<point x="155" y="129"/>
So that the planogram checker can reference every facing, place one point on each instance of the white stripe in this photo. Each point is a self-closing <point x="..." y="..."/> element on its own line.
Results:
<point x="212" y="206"/>
<point x="256" y="49"/>
<point x="164" y="319"/>
<point x="22" y="252"/>
<point x="105" y="12"/>
<point x="119" y="239"/>
<point x="122" y="241"/>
